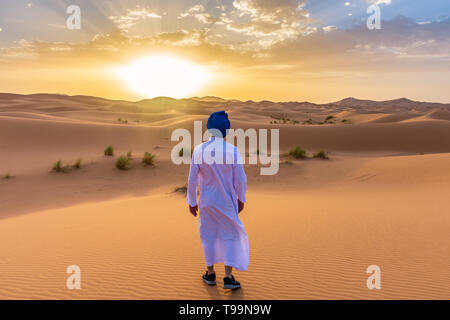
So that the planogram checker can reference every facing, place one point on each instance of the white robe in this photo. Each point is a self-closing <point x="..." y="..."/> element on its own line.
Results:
<point x="221" y="184"/>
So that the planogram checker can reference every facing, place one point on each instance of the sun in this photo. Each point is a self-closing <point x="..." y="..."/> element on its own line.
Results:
<point x="164" y="76"/>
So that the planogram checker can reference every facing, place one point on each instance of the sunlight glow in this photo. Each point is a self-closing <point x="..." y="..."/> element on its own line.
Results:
<point x="167" y="76"/>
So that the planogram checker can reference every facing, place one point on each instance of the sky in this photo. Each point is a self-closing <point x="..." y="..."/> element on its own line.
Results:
<point x="280" y="50"/>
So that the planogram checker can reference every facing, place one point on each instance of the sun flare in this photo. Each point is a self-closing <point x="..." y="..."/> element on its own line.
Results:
<point x="157" y="76"/>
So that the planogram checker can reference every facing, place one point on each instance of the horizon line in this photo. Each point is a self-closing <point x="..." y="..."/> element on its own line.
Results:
<point x="216" y="97"/>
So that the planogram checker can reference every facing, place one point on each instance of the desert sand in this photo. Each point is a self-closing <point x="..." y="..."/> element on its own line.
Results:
<point x="314" y="228"/>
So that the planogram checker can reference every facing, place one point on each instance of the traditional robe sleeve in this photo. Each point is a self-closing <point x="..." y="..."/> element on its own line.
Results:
<point x="191" y="198"/>
<point x="239" y="179"/>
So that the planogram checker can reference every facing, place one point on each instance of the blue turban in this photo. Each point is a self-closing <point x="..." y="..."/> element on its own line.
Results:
<point x="219" y="121"/>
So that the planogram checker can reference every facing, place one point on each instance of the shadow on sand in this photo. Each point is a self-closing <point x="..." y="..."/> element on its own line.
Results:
<point x="217" y="293"/>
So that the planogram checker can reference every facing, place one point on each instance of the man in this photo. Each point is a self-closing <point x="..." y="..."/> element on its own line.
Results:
<point x="217" y="168"/>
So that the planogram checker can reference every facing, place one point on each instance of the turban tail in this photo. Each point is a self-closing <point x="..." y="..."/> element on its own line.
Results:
<point x="219" y="121"/>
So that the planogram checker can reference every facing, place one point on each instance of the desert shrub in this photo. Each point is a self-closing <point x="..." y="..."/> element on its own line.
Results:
<point x="148" y="159"/>
<point x="109" y="151"/>
<point x="298" y="153"/>
<point x="329" y="118"/>
<point x="58" y="167"/>
<point x="182" y="189"/>
<point x="7" y="175"/>
<point x="122" y="163"/>
<point x="130" y="154"/>
<point x="283" y="120"/>
<point x="321" y="155"/>
<point x="77" y="164"/>
<point x="184" y="151"/>
<point x="345" y="121"/>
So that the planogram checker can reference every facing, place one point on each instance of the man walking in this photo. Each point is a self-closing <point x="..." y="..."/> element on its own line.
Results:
<point x="217" y="168"/>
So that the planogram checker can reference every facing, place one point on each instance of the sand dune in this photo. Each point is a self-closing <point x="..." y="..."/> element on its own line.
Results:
<point x="314" y="227"/>
<point x="313" y="243"/>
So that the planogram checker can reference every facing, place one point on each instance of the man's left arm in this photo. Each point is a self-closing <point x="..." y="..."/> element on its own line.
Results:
<point x="240" y="183"/>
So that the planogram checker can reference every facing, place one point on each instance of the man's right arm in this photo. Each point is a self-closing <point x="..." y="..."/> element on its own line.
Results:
<point x="240" y="206"/>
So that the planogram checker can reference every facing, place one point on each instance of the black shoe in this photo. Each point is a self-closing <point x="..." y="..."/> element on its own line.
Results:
<point x="209" y="279"/>
<point x="230" y="283"/>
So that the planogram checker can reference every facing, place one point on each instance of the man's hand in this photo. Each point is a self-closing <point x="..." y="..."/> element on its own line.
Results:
<point x="193" y="210"/>
<point x="240" y="206"/>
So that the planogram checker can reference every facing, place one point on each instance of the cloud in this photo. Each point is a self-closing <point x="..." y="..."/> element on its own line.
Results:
<point x="377" y="2"/>
<point x="198" y="12"/>
<point x="276" y="17"/>
<point x="117" y="48"/>
<point x="254" y="24"/>
<point x="329" y="28"/>
<point x="401" y="45"/>
<point x="191" y="11"/>
<point x="275" y="21"/>
<point x="132" y="17"/>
